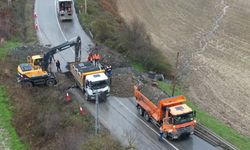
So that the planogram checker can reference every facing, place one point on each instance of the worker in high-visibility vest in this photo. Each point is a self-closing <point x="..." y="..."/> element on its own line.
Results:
<point x="108" y="72"/>
<point x="96" y="57"/>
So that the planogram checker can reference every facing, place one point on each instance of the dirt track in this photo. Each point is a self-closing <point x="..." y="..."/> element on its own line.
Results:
<point x="214" y="41"/>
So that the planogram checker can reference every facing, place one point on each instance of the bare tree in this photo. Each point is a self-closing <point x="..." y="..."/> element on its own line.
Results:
<point x="131" y="140"/>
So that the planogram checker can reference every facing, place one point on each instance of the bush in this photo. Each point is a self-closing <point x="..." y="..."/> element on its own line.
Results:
<point x="137" y="44"/>
<point x="102" y="141"/>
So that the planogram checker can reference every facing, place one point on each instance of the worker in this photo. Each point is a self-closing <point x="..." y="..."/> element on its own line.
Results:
<point x="96" y="58"/>
<point x="90" y="57"/>
<point x="161" y="134"/>
<point x="108" y="72"/>
<point x="58" y="65"/>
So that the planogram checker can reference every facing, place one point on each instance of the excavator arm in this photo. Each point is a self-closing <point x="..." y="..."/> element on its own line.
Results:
<point x="76" y="43"/>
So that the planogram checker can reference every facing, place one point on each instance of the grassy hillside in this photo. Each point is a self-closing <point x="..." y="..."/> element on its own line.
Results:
<point x="8" y="134"/>
<point x="132" y="41"/>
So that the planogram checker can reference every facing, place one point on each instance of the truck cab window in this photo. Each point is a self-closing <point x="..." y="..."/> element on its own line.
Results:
<point x="62" y="6"/>
<point x="37" y="62"/>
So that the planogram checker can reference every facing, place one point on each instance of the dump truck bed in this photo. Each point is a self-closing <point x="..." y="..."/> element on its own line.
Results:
<point x="146" y="104"/>
<point x="81" y="70"/>
<point x="153" y="93"/>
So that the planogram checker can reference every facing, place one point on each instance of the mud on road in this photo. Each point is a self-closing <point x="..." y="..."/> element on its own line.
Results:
<point x="212" y="37"/>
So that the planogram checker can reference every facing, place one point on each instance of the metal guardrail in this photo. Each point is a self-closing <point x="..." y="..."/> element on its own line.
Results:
<point x="212" y="138"/>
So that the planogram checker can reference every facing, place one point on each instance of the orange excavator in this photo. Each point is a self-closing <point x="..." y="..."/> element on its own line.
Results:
<point x="171" y="114"/>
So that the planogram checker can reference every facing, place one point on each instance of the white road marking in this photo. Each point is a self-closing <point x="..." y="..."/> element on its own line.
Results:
<point x="144" y="123"/>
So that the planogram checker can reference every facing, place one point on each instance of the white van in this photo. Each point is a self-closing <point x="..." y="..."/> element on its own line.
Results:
<point x="65" y="9"/>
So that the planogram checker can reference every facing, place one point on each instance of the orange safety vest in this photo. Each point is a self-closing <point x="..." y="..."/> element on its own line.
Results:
<point x="97" y="57"/>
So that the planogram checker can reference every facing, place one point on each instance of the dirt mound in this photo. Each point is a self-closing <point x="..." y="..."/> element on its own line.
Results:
<point x="22" y="52"/>
<point x="122" y="85"/>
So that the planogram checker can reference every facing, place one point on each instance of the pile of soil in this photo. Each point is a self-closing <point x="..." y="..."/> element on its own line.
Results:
<point x="122" y="85"/>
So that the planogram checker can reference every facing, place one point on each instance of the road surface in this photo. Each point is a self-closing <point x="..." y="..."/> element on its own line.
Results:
<point x="116" y="114"/>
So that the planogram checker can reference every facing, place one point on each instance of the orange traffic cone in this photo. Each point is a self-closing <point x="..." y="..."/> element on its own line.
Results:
<point x="82" y="111"/>
<point x="68" y="98"/>
<point x="34" y="15"/>
<point x="36" y="26"/>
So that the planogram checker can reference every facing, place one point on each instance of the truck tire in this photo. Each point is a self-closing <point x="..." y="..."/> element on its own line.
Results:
<point x="50" y="82"/>
<point x="140" y="110"/>
<point x="146" y="116"/>
<point x="169" y="137"/>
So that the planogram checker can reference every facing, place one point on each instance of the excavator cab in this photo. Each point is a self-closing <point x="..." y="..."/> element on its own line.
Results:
<point x="35" y="61"/>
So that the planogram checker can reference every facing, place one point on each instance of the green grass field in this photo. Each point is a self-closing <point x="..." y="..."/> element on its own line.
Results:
<point x="8" y="135"/>
<point x="6" y="47"/>
<point x="231" y="135"/>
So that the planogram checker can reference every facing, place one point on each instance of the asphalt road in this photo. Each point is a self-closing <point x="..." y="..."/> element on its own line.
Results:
<point x="52" y="32"/>
<point x="116" y="114"/>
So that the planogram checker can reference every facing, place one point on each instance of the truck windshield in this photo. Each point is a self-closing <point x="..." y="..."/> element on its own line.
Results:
<point x="183" y="118"/>
<point x="38" y="62"/>
<point x="65" y="6"/>
<point x="98" y="84"/>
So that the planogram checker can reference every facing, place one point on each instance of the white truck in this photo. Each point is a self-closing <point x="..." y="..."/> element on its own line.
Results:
<point x="65" y="9"/>
<point x="90" y="79"/>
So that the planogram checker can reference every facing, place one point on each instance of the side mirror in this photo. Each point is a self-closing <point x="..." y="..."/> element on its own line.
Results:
<point x="194" y="113"/>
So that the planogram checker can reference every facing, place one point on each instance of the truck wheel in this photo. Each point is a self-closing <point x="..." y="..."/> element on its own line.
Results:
<point x="146" y="116"/>
<point x="50" y="82"/>
<point x="140" y="110"/>
<point x="169" y="137"/>
<point x="27" y="84"/>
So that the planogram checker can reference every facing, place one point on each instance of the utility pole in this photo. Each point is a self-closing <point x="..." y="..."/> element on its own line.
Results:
<point x="175" y="74"/>
<point x="86" y="6"/>
<point x="97" y="114"/>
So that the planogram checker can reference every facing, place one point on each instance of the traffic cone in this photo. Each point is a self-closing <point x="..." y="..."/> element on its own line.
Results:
<point x="68" y="98"/>
<point x="82" y="111"/>
<point x="34" y="15"/>
<point x="36" y="26"/>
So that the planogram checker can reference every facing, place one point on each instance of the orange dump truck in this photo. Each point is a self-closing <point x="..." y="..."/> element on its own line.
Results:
<point x="174" y="116"/>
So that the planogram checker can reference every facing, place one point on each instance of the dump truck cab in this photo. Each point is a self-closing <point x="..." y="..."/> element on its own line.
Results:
<point x="172" y="114"/>
<point x="91" y="79"/>
<point x="65" y="9"/>
<point x="178" y="120"/>
<point x="96" y="83"/>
